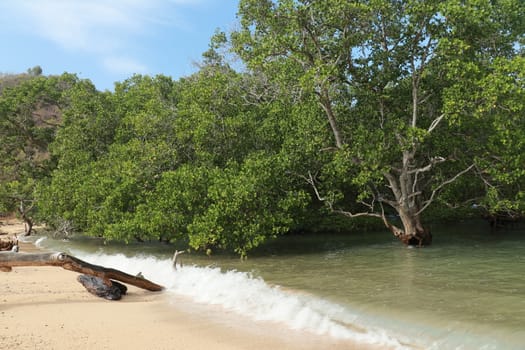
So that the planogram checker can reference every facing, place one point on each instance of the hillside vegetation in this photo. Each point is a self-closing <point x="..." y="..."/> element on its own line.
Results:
<point x="395" y="112"/>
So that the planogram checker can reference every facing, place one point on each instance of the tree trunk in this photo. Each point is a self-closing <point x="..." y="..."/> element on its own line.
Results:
<point x="28" y="226"/>
<point x="407" y="203"/>
<point x="413" y="233"/>
<point x="28" y="222"/>
<point x="68" y="262"/>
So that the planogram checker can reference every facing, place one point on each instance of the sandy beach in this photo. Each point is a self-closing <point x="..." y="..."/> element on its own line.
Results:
<point x="46" y="308"/>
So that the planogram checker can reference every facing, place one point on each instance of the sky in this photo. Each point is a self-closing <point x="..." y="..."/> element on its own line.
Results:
<point x="107" y="41"/>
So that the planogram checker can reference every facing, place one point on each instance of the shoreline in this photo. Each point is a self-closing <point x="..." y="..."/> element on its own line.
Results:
<point x="45" y="307"/>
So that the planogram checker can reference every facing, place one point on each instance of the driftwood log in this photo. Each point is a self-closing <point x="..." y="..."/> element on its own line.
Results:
<point x="100" y="288"/>
<point x="103" y="275"/>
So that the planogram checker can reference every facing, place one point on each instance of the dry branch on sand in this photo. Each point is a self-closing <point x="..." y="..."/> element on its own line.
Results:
<point x="102" y="283"/>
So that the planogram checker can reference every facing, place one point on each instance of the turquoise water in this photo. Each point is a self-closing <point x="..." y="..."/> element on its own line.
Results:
<point x="467" y="291"/>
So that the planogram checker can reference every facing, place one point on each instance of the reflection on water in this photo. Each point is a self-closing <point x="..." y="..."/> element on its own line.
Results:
<point x="466" y="291"/>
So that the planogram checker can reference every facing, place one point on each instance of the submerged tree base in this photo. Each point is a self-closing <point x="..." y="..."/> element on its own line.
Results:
<point x="421" y="239"/>
<point x="421" y="236"/>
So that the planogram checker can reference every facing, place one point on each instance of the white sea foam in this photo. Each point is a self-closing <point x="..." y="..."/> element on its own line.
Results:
<point x="39" y="241"/>
<point x="250" y="296"/>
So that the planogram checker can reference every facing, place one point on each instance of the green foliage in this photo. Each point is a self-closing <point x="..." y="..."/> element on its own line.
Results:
<point x="30" y="112"/>
<point x="499" y="106"/>
<point x="194" y="162"/>
<point x="111" y="151"/>
<point x="247" y="205"/>
<point x="360" y="104"/>
<point x="401" y="84"/>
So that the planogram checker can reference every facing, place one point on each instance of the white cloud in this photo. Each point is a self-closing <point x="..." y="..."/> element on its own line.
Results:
<point x="124" y="65"/>
<point x="107" y="30"/>
<point x="90" y="26"/>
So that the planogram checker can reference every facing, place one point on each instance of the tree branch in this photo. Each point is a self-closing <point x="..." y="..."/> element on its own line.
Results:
<point x="435" y="123"/>
<point x="428" y="167"/>
<point x="176" y="257"/>
<point x="443" y="184"/>
<point x="68" y="262"/>
<point x="416" y="172"/>
<point x="355" y="215"/>
<point x="394" y="187"/>
<point x="330" y="202"/>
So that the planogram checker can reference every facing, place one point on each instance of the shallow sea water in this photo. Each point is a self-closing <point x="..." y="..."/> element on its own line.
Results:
<point x="466" y="291"/>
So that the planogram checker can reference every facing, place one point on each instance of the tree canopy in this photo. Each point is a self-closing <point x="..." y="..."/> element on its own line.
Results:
<point x="394" y="110"/>
<point x="30" y="113"/>
<point x="393" y="79"/>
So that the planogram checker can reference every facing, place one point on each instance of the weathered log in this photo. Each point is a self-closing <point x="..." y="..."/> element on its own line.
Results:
<point x="68" y="262"/>
<point x="97" y="286"/>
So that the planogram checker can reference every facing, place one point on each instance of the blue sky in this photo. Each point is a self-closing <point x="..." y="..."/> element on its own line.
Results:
<point x="109" y="40"/>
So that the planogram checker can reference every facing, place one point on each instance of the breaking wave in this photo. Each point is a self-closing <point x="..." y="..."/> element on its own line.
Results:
<point x="250" y="296"/>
